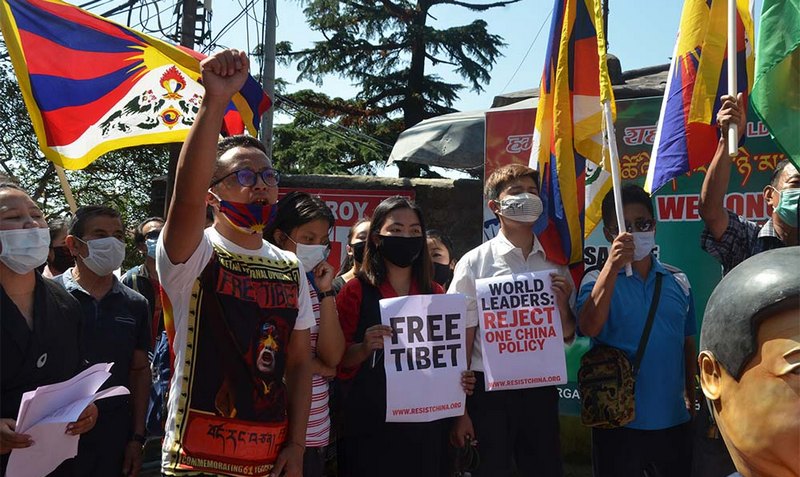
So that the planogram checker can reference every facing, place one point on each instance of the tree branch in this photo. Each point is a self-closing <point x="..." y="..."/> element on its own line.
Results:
<point x="436" y="61"/>
<point x="42" y="183"/>
<point x="396" y="10"/>
<point x="477" y="7"/>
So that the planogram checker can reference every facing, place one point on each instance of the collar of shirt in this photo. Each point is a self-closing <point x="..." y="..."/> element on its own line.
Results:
<point x="143" y="271"/>
<point x="71" y="284"/>
<point x="387" y="291"/>
<point x="504" y="246"/>
<point x="657" y="267"/>
<point x="768" y="230"/>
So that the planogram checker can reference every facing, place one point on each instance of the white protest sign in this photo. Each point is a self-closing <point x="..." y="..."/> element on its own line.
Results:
<point x="425" y="357"/>
<point x="520" y="332"/>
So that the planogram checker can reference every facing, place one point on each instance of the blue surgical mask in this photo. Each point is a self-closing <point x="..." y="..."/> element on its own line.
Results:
<point x="151" y="247"/>
<point x="787" y="206"/>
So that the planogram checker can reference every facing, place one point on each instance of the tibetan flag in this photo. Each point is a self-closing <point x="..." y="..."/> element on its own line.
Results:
<point x="687" y="136"/>
<point x="776" y="90"/>
<point x="569" y="126"/>
<point x="93" y="86"/>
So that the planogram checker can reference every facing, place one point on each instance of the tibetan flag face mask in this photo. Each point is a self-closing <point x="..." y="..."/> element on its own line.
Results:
<point x="249" y="218"/>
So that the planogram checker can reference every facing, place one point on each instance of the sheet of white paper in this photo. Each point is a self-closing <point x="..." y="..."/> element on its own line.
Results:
<point x="71" y="412"/>
<point x="47" y="399"/>
<point x="111" y="392"/>
<point x="44" y="415"/>
<point x="51" y="447"/>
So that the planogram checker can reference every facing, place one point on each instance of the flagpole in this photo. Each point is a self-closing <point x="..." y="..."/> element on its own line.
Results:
<point x="62" y="177"/>
<point x="733" y="129"/>
<point x="616" y="181"/>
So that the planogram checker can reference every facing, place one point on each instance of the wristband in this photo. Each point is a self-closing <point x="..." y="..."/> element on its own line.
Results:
<point x="138" y="438"/>
<point x="326" y="294"/>
<point x="288" y="443"/>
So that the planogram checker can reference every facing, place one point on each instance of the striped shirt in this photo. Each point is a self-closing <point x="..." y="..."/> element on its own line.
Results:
<point x="319" y="420"/>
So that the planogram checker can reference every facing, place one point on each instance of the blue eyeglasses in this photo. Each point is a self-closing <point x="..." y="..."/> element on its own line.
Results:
<point x="249" y="177"/>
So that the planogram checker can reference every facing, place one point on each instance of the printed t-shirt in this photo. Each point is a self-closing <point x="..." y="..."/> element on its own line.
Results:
<point x="660" y="380"/>
<point x="319" y="418"/>
<point x="229" y="312"/>
<point x="496" y="258"/>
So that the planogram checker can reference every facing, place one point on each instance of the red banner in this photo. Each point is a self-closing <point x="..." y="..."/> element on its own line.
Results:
<point x="509" y="137"/>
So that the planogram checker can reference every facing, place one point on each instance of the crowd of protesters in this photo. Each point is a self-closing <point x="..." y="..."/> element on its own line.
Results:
<point x="268" y="342"/>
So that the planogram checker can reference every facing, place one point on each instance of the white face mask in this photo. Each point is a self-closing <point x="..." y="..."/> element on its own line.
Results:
<point x="643" y="243"/>
<point x="311" y="255"/>
<point x="105" y="255"/>
<point x="24" y="249"/>
<point x="524" y="207"/>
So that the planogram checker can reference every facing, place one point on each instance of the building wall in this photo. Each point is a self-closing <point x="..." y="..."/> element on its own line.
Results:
<point x="454" y="206"/>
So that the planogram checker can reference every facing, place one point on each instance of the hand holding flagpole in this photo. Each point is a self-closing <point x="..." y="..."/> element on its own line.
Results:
<point x="733" y="128"/>
<point x="616" y="180"/>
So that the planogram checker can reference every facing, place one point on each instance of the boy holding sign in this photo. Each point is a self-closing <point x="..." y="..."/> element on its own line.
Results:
<point x="520" y="422"/>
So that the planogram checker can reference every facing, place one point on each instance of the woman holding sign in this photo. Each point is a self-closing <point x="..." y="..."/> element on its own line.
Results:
<point x="40" y="321"/>
<point x="396" y="263"/>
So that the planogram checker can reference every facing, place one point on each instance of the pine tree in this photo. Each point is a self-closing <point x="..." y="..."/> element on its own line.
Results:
<point x="384" y="47"/>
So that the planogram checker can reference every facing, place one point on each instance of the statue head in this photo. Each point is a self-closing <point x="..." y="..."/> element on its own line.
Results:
<point x="750" y="362"/>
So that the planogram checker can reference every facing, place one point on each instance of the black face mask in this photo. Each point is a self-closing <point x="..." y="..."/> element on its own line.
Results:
<point x="358" y="251"/>
<point x="401" y="251"/>
<point x="62" y="259"/>
<point x="442" y="274"/>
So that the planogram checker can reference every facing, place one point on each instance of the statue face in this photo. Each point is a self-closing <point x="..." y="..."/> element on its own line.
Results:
<point x="760" y="415"/>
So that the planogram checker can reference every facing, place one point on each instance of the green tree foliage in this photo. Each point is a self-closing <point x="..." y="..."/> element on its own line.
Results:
<point x="384" y="47"/>
<point x="120" y="179"/>
<point x="324" y="139"/>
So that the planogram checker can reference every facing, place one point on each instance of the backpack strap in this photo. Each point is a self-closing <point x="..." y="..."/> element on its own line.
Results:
<point x="370" y="296"/>
<point x="134" y="277"/>
<point x="648" y="325"/>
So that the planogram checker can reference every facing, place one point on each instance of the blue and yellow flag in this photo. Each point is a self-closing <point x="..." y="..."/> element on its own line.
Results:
<point x="687" y="135"/>
<point x="93" y="86"/>
<point x="569" y="127"/>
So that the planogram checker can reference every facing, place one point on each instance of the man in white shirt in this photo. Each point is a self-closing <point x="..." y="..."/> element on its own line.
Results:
<point x="520" y="424"/>
<point x="236" y="308"/>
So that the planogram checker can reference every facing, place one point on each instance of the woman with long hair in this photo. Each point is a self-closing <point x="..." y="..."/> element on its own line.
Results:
<point x="40" y="322"/>
<point x="443" y="257"/>
<point x="396" y="263"/>
<point x="356" y="243"/>
<point x="302" y="225"/>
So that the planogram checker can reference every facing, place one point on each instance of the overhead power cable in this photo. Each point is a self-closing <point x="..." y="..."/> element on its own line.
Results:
<point x="527" y="52"/>
<point x="358" y="134"/>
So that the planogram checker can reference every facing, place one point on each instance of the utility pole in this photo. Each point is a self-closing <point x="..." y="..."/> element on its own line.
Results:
<point x="187" y="34"/>
<point x="188" y="21"/>
<point x="268" y="71"/>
